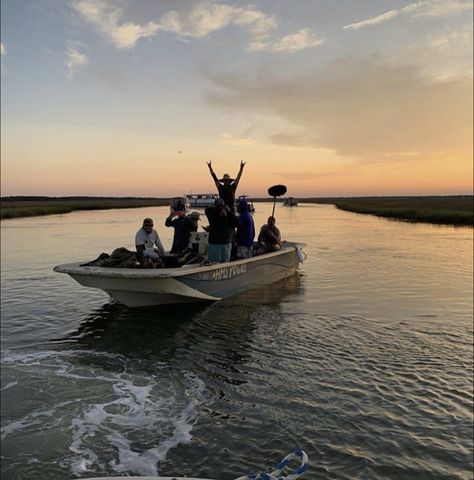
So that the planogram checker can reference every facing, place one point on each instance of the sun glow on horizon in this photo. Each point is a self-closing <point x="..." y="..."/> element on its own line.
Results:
<point x="138" y="98"/>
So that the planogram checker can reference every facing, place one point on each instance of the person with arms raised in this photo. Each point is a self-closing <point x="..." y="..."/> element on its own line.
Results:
<point x="227" y="186"/>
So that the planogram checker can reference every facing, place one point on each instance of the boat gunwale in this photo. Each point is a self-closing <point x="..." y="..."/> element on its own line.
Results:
<point x="75" y="268"/>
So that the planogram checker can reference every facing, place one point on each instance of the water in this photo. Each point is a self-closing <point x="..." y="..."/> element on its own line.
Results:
<point x="363" y="359"/>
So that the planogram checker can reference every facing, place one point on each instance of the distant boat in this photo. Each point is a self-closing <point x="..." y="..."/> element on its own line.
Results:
<point x="136" y="287"/>
<point x="251" y="207"/>
<point x="201" y="200"/>
<point x="290" y="202"/>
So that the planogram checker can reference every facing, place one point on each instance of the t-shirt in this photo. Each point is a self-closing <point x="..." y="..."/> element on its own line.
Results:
<point x="149" y="240"/>
<point x="182" y="227"/>
<point x="227" y="193"/>
<point x="221" y="228"/>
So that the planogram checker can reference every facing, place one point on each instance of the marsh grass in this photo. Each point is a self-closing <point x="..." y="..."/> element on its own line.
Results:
<point x="452" y="210"/>
<point x="448" y="210"/>
<point x="15" y="207"/>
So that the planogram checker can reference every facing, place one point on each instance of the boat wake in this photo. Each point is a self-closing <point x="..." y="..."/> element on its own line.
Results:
<point x="134" y="411"/>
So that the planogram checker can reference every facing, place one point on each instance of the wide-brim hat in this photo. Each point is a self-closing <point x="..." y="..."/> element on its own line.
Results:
<point x="226" y="177"/>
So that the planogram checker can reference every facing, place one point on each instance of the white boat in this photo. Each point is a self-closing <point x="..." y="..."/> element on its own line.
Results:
<point x="136" y="287"/>
<point x="290" y="202"/>
<point x="201" y="200"/>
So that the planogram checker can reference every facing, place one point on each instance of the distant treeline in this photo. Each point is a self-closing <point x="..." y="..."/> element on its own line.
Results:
<point x="450" y="210"/>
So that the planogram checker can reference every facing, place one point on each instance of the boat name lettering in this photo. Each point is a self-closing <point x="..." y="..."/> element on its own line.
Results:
<point x="224" y="272"/>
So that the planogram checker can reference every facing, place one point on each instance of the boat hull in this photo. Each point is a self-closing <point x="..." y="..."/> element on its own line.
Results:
<point x="140" y="288"/>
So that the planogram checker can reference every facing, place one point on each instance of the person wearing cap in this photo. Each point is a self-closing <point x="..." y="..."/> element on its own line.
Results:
<point x="269" y="238"/>
<point x="183" y="225"/>
<point x="146" y="239"/>
<point x="227" y="186"/>
<point x="222" y="221"/>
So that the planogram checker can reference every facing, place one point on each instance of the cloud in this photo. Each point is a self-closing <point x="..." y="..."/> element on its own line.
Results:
<point x="205" y="19"/>
<point x="75" y="60"/>
<point x="229" y="139"/>
<point x="362" y="109"/>
<point x="3" y="49"/>
<point x="424" y="8"/>
<point x="107" y="20"/>
<point x="199" y="21"/>
<point x="444" y="56"/>
<point x="300" y="40"/>
<point x="373" y="21"/>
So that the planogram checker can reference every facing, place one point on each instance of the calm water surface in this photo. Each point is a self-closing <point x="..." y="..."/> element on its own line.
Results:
<point x="363" y="359"/>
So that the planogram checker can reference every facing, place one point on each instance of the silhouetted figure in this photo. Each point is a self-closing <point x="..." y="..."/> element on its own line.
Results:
<point x="222" y="221"/>
<point x="269" y="238"/>
<point x="227" y="186"/>
<point x="245" y="231"/>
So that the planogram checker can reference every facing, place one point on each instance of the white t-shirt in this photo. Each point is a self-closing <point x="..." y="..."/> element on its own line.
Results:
<point x="149" y="240"/>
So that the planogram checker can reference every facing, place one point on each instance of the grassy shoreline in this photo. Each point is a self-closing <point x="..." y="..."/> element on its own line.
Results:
<point x="16" y="207"/>
<point x="448" y="210"/>
<point x="443" y="210"/>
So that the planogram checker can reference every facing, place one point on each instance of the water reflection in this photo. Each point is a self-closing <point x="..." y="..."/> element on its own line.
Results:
<point x="120" y="329"/>
<point x="113" y="321"/>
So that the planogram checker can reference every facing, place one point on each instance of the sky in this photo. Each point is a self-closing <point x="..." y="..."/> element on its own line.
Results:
<point x="330" y="98"/>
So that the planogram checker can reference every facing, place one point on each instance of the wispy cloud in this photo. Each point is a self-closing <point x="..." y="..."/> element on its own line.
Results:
<point x="107" y="19"/>
<point x="373" y="21"/>
<point x="205" y="19"/>
<point x="3" y="49"/>
<point x="229" y="139"/>
<point x="198" y="21"/>
<point x="424" y="8"/>
<point x="74" y="60"/>
<point x="300" y="40"/>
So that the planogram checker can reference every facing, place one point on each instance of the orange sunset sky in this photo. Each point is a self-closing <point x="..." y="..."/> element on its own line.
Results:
<point x="123" y="98"/>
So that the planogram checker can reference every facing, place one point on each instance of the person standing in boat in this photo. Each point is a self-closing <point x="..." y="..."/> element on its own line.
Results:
<point x="183" y="225"/>
<point x="145" y="241"/>
<point x="227" y="186"/>
<point x="245" y="231"/>
<point x="269" y="238"/>
<point x="222" y="222"/>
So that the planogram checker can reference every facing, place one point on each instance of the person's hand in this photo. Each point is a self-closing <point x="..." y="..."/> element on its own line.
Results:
<point x="242" y="164"/>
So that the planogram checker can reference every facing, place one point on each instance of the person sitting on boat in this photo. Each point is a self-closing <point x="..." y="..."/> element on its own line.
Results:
<point x="183" y="225"/>
<point x="222" y="221"/>
<point x="269" y="238"/>
<point x="245" y="231"/>
<point x="227" y="186"/>
<point x="193" y="219"/>
<point x="145" y="241"/>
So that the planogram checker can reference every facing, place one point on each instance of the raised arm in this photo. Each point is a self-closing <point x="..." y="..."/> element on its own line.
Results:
<point x="213" y="175"/>
<point x="242" y="165"/>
